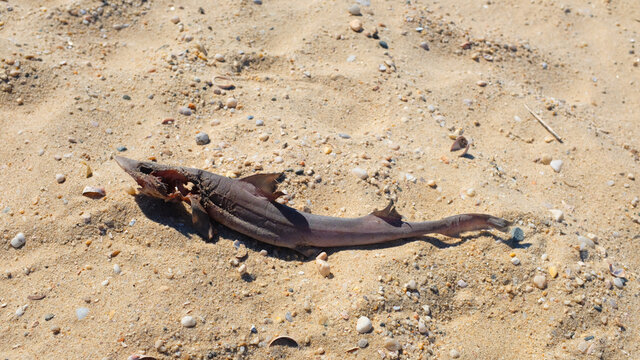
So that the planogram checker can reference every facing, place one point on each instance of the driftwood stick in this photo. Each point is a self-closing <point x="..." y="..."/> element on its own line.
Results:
<point x="544" y="124"/>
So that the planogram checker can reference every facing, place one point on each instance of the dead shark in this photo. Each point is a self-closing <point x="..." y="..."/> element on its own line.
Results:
<point x="248" y="206"/>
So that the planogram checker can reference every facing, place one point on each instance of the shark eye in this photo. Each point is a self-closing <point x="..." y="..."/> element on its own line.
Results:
<point x="145" y="170"/>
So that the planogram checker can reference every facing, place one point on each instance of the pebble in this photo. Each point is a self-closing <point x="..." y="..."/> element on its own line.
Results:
<point x="556" y="165"/>
<point x="355" y="10"/>
<point x="583" y="346"/>
<point x="364" y="325"/>
<point x="175" y="19"/>
<point x="553" y="272"/>
<point x="471" y="192"/>
<point x="202" y="138"/>
<point x="517" y="234"/>
<point x="188" y="321"/>
<point x="263" y="137"/>
<point x="219" y="57"/>
<point x="93" y="192"/>
<point x="382" y="68"/>
<point x="558" y="215"/>
<point x="356" y="25"/>
<point x="242" y="269"/>
<point x="481" y="83"/>
<point x="585" y="242"/>
<point x="18" y="241"/>
<point x="363" y="343"/>
<point x="288" y="316"/>
<point x="540" y="281"/>
<point x="454" y="354"/>
<point x="185" y="111"/>
<point x="463" y="284"/>
<point x="322" y="256"/>
<point x="259" y="122"/>
<point x="383" y="44"/>
<point x="60" y="178"/>
<point x="631" y="176"/>
<point x="361" y="173"/>
<point x="546" y="159"/>
<point x="323" y="267"/>
<point x="431" y="183"/>
<point x="412" y="285"/>
<point x="121" y="148"/>
<point x="619" y="283"/>
<point x="278" y="160"/>
<point x="48" y="317"/>
<point x="422" y="327"/>
<point x="55" y="329"/>
<point x="116" y="269"/>
<point x="231" y="103"/>
<point x="424" y="45"/>
<point x="82" y="313"/>
<point x="515" y="261"/>
<point x="392" y="344"/>
<point x="351" y="58"/>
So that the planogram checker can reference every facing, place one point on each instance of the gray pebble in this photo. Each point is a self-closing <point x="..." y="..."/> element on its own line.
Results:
<point x="355" y="10"/>
<point x="363" y="343"/>
<point x="121" y="148"/>
<point x="82" y="313"/>
<point x="619" y="283"/>
<point x="259" y="123"/>
<point x="424" y="45"/>
<point x="48" y="317"/>
<point x="517" y="234"/>
<point x="18" y="241"/>
<point x="454" y="354"/>
<point x="185" y="111"/>
<point x="288" y="316"/>
<point x="392" y="345"/>
<point x="585" y="242"/>
<point x="116" y="269"/>
<point x="344" y="136"/>
<point x="60" y="178"/>
<point x="351" y="58"/>
<point x="202" y="138"/>
<point x="463" y="284"/>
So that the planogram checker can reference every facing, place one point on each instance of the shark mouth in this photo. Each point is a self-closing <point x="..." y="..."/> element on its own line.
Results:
<point x="166" y="184"/>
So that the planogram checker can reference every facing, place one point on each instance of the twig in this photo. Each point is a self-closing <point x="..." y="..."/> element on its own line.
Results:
<point x="547" y="127"/>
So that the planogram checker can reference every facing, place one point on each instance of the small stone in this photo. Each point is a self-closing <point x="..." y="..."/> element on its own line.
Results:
<point x="60" y="178"/>
<point x="82" y="313"/>
<point x="540" y="281"/>
<point x="121" y="148"/>
<point x="355" y="10"/>
<point x="546" y="159"/>
<point x="556" y="165"/>
<point x="231" y="103"/>
<point x="364" y="325"/>
<point x="583" y="346"/>
<point x="263" y="137"/>
<point x="175" y="19"/>
<point x="351" y="58"/>
<point x="202" y="138"/>
<point x="188" y="321"/>
<point x="322" y="256"/>
<point x="184" y="111"/>
<point x="323" y="267"/>
<point x="517" y="235"/>
<point x="93" y="192"/>
<point x="363" y="343"/>
<point x="515" y="261"/>
<point x="242" y="269"/>
<point x="471" y="192"/>
<point x="585" y="242"/>
<point x="361" y="173"/>
<point x="630" y="176"/>
<point x="558" y="215"/>
<point x="382" y="68"/>
<point x="392" y="344"/>
<point x="116" y="269"/>
<point x="481" y="83"/>
<point x="383" y="44"/>
<point x="424" y="45"/>
<point x="462" y="284"/>
<point x="431" y="183"/>
<point x="422" y="327"/>
<point x="219" y="57"/>
<point x="618" y="282"/>
<point x="259" y="122"/>
<point x="55" y="329"/>
<point x="356" y="25"/>
<point x="412" y="285"/>
<point x="126" y="97"/>
<point x="454" y="354"/>
<point x="18" y="241"/>
<point x="553" y="272"/>
<point x="48" y="317"/>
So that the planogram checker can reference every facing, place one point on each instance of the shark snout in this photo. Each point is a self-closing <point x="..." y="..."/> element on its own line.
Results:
<point x="128" y="165"/>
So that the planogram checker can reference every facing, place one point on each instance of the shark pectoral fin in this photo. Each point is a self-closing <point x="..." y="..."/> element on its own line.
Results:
<point x="266" y="184"/>
<point x="200" y="218"/>
<point x="389" y="214"/>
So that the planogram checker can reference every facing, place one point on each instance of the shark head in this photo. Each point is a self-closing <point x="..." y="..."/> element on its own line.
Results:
<point x="156" y="180"/>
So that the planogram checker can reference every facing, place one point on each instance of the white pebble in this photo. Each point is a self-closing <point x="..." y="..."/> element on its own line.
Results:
<point x="463" y="284"/>
<point x="618" y="283"/>
<point x="556" y="165"/>
<point x="540" y="281"/>
<point x="361" y="173"/>
<point x="585" y="242"/>
<point x="411" y="285"/>
<point x="18" y="241"/>
<point x="60" y="178"/>
<point x="355" y="10"/>
<point x="116" y="269"/>
<point x="188" y="321"/>
<point x="558" y="215"/>
<point x="471" y="192"/>
<point x="364" y="325"/>
<point x="242" y="269"/>
<point x="231" y="103"/>
<point x="105" y="283"/>
<point x="323" y="267"/>
<point x="454" y="354"/>
<point x="82" y="313"/>
<point x="515" y="261"/>
<point x="422" y="327"/>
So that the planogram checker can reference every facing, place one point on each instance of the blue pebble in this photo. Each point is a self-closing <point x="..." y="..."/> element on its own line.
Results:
<point x="383" y="44"/>
<point x="250" y="117"/>
<point x="121" y="148"/>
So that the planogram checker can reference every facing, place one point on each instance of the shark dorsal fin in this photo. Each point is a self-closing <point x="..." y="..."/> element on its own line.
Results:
<point x="388" y="214"/>
<point x="266" y="184"/>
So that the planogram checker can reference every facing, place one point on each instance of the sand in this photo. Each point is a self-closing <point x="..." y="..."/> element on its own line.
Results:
<point x="82" y="81"/>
